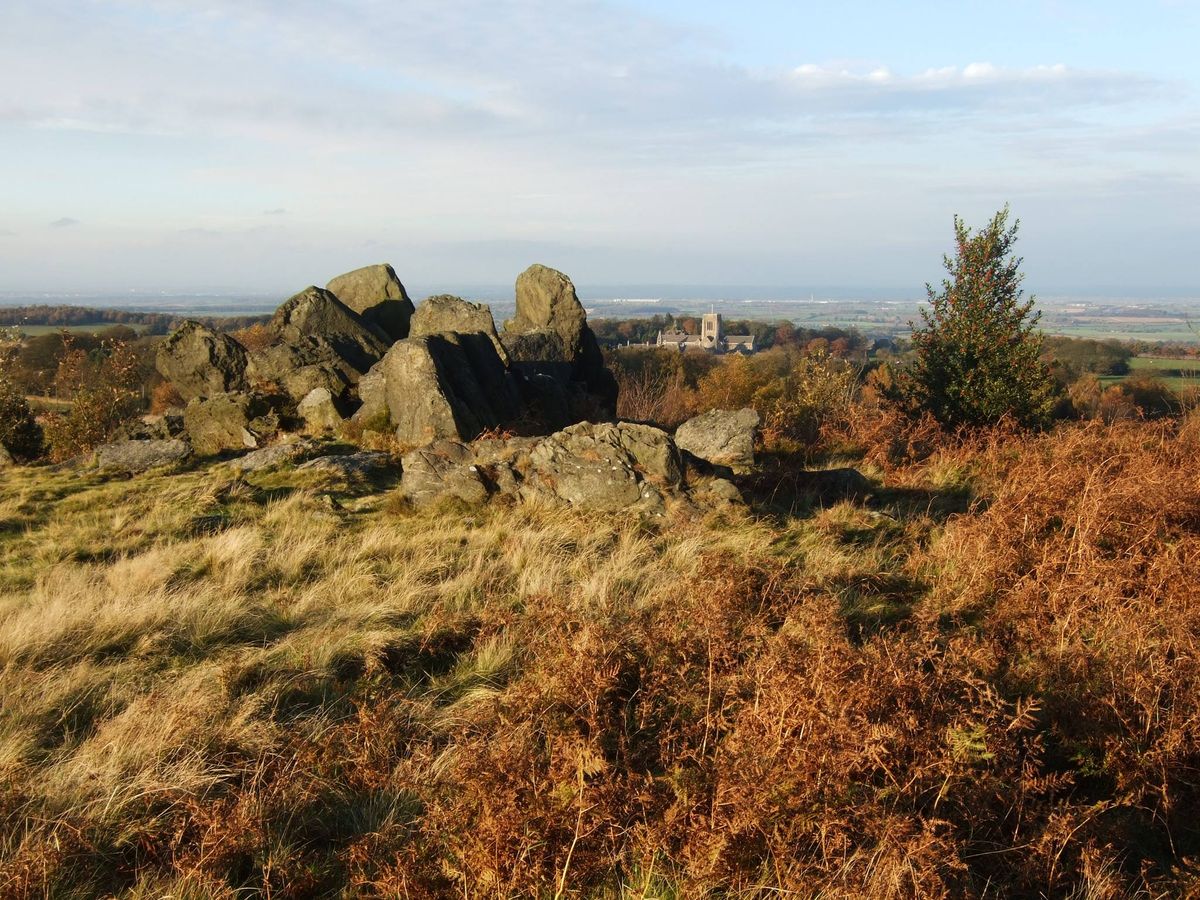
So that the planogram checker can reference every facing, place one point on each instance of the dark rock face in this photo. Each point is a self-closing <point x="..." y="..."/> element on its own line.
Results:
<point x="234" y="421"/>
<point x="199" y="362"/>
<point x="140" y="456"/>
<point x="376" y="294"/>
<point x="302" y="367"/>
<point x="721" y="437"/>
<point x="153" y="428"/>
<point x="550" y="333"/>
<point x="317" y="313"/>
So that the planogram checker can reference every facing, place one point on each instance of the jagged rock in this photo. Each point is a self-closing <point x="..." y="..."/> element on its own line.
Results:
<point x="351" y="467"/>
<point x="605" y="467"/>
<point x="550" y="333"/>
<point x="433" y="388"/>
<point x="274" y="456"/>
<point x="160" y="427"/>
<point x="376" y="294"/>
<point x="319" y="411"/>
<point x="302" y="367"/>
<point x="317" y="313"/>
<point x="445" y="313"/>
<point x="721" y="437"/>
<point x="442" y="469"/>
<point x="139" y="456"/>
<point x="199" y="362"/>
<point x="233" y="421"/>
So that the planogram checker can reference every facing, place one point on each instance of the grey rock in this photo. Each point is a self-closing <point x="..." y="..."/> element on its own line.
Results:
<point x="274" y="456"/>
<point x="835" y="483"/>
<point x="434" y="388"/>
<point x="724" y="490"/>
<point x="605" y="466"/>
<point x="721" y="437"/>
<point x="376" y="294"/>
<point x="158" y="427"/>
<point x="448" y="314"/>
<point x="317" y="313"/>
<point x="351" y="467"/>
<point x="139" y="456"/>
<point x="442" y="469"/>
<point x="319" y="410"/>
<point x="199" y="362"/>
<point x="372" y="391"/>
<point x="233" y="421"/>
<point x="313" y="362"/>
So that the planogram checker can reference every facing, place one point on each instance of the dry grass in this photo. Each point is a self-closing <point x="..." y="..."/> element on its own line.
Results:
<point x="981" y="683"/>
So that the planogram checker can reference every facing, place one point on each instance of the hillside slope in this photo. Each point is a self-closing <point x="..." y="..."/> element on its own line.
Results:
<point x="983" y="681"/>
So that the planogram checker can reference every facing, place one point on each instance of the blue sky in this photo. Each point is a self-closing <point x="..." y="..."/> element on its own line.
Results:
<point x="259" y="145"/>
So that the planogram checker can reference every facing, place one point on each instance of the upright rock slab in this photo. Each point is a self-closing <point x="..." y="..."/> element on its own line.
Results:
<point x="431" y="392"/>
<point x="200" y="362"/>
<point x="376" y="294"/>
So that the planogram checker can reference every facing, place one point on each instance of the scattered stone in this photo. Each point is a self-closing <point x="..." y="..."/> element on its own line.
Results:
<point x="442" y="469"/>
<point x="274" y="456"/>
<point x="234" y="421"/>
<point x="724" y="490"/>
<point x="351" y="467"/>
<point x="319" y="411"/>
<point x="376" y="294"/>
<point x="836" y="483"/>
<point x="201" y="363"/>
<point x="721" y="437"/>
<point x="153" y="427"/>
<point x="134" y="456"/>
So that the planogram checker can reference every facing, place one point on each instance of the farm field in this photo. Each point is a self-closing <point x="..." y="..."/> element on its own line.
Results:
<point x="1177" y="373"/>
<point x="92" y="328"/>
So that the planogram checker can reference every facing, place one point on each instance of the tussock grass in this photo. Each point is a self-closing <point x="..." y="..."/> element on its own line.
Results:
<point x="982" y="682"/>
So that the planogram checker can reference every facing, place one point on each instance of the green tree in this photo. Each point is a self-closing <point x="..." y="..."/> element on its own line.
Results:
<point x="977" y="355"/>
<point x="20" y="433"/>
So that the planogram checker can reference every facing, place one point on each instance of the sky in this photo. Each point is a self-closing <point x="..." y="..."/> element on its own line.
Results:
<point x="262" y="145"/>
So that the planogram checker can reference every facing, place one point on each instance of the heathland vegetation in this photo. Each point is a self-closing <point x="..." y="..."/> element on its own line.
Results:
<point x="975" y="673"/>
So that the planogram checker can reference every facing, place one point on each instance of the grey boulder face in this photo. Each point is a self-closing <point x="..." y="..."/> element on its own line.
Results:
<point x="446" y="313"/>
<point x="274" y="456"/>
<point x="302" y="367"/>
<point x="376" y="294"/>
<point x="319" y="410"/>
<point x="234" y="421"/>
<point x="434" y="388"/>
<point x="134" y="456"/>
<point x="607" y="467"/>
<point x="549" y="336"/>
<point x="442" y="469"/>
<point x="317" y="318"/>
<point x="721" y="437"/>
<point x="199" y="362"/>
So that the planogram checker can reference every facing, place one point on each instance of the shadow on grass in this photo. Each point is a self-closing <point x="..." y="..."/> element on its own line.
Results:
<point x="871" y="604"/>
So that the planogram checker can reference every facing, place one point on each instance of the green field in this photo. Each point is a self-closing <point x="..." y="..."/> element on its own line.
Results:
<point x="93" y="328"/>
<point x="1177" y="373"/>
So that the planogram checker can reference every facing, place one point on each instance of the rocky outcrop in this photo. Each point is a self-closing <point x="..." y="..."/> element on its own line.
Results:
<point x="351" y="467"/>
<point x="199" y="362"/>
<point x="721" y="437"/>
<point x="274" y="456"/>
<point x="606" y="467"/>
<point x="376" y="294"/>
<point x="317" y="313"/>
<point x="234" y="421"/>
<point x="133" y="457"/>
<point x="303" y="367"/>
<point x="549" y="337"/>
<point x="156" y="427"/>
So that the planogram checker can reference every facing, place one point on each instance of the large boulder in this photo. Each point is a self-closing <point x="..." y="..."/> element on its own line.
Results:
<point x="376" y="294"/>
<point x="319" y="410"/>
<point x="607" y="466"/>
<point x="317" y="313"/>
<point x="133" y="457"/>
<point x="442" y="386"/>
<point x="274" y="456"/>
<point x="446" y="313"/>
<point x="442" y="469"/>
<point x="300" y="368"/>
<point x="200" y="362"/>
<point x="549" y="336"/>
<point x="721" y="437"/>
<point x="233" y="421"/>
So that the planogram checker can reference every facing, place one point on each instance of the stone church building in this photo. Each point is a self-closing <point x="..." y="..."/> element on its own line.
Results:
<point x="712" y="338"/>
